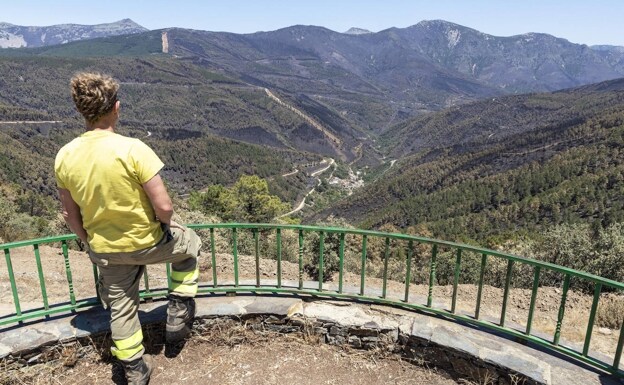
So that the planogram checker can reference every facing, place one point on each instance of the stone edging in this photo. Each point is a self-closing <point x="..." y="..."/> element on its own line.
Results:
<point x="460" y="350"/>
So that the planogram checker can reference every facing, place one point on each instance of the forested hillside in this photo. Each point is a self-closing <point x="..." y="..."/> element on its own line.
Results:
<point x="521" y="167"/>
<point x="492" y="121"/>
<point x="161" y="97"/>
<point x="201" y="92"/>
<point x="186" y="113"/>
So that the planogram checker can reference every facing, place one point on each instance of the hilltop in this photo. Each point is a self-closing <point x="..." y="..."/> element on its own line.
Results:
<point x="17" y="36"/>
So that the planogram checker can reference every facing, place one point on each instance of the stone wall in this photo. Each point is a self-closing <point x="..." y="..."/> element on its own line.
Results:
<point x="371" y="336"/>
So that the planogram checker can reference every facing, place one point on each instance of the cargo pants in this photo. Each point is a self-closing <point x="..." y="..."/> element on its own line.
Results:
<point x="121" y="273"/>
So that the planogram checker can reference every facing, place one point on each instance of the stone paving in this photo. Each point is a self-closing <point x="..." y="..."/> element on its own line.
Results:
<point x="450" y="338"/>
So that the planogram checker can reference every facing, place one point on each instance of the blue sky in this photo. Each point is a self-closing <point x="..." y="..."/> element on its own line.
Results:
<point x="587" y="22"/>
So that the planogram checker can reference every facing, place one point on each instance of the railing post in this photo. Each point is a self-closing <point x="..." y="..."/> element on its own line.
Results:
<point x="320" y="263"/>
<point x="385" y="271"/>
<point x="363" y="269"/>
<point x="257" y="255"/>
<point x="432" y="274"/>
<point x="618" y="351"/>
<point x="341" y="261"/>
<point x="456" y="279"/>
<point x="408" y="269"/>
<point x="235" y="255"/>
<point x="168" y="265"/>
<point x="279" y="257"/>
<point x="146" y="280"/>
<point x="7" y="257"/>
<point x="213" y="255"/>
<point x="536" y="277"/>
<point x="480" y="290"/>
<point x="300" y="259"/>
<point x="42" y="284"/>
<point x="592" y="317"/>
<point x="510" y="264"/>
<point x="564" y="295"/>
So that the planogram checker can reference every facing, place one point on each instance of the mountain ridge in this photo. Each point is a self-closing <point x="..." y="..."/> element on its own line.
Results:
<point x="357" y="31"/>
<point x="16" y="36"/>
<point x="430" y="49"/>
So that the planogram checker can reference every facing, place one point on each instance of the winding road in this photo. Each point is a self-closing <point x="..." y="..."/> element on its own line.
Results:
<point x="31" y="121"/>
<point x="291" y="173"/>
<point x="301" y="204"/>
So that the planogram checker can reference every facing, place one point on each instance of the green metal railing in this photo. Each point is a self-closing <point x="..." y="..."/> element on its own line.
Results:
<point x="391" y="244"/>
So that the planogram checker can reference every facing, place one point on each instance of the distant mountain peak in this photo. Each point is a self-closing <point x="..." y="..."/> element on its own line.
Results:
<point x="15" y="36"/>
<point x="445" y="25"/>
<point x="128" y="22"/>
<point x="439" y="22"/>
<point x="357" y="31"/>
<point x="608" y="48"/>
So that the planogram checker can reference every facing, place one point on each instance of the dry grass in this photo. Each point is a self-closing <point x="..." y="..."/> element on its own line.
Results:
<point x="489" y="379"/>
<point x="52" y="362"/>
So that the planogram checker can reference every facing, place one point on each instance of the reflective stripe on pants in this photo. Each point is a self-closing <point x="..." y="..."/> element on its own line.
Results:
<point x="127" y="348"/>
<point x="184" y="283"/>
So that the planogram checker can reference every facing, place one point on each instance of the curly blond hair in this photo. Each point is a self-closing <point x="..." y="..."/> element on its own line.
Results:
<point x="94" y="94"/>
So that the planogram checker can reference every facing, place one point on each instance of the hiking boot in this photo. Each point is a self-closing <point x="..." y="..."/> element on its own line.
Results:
<point x="180" y="315"/>
<point x="138" y="371"/>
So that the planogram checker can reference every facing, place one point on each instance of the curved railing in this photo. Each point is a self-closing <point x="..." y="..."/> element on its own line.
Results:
<point x="400" y="248"/>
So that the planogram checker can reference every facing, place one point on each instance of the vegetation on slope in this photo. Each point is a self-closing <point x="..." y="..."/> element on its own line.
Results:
<point x="181" y="110"/>
<point x="562" y="173"/>
<point x="550" y="175"/>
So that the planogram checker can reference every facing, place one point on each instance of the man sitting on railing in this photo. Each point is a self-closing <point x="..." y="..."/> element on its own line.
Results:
<point x="114" y="199"/>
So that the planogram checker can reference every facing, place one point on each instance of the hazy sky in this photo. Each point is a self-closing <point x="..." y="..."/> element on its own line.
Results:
<point x="587" y="22"/>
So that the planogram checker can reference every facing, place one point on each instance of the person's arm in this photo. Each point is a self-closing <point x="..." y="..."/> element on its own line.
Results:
<point x="161" y="202"/>
<point x="71" y="214"/>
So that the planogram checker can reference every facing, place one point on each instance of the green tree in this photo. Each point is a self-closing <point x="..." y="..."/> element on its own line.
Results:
<point x="253" y="203"/>
<point x="208" y="202"/>
<point x="248" y="200"/>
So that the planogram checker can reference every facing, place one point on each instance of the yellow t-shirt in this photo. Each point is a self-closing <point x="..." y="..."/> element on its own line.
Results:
<point x="104" y="172"/>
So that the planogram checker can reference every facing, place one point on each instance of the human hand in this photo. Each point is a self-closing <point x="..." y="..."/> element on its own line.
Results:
<point x="176" y="225"/>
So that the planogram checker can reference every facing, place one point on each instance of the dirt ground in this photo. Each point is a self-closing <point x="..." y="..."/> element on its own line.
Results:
<point x="234" y="355"/>
<point x="281" y="359"/>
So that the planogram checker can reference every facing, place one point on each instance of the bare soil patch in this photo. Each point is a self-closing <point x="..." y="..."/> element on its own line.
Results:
<point x="231" y="354"/>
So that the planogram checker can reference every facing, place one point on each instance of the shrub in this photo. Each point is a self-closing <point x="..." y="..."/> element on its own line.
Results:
<point x="331" y="260"/>
<point x="582" y="248"/>
<point x="610" y="313"/>
<point x="23" y="226"/>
